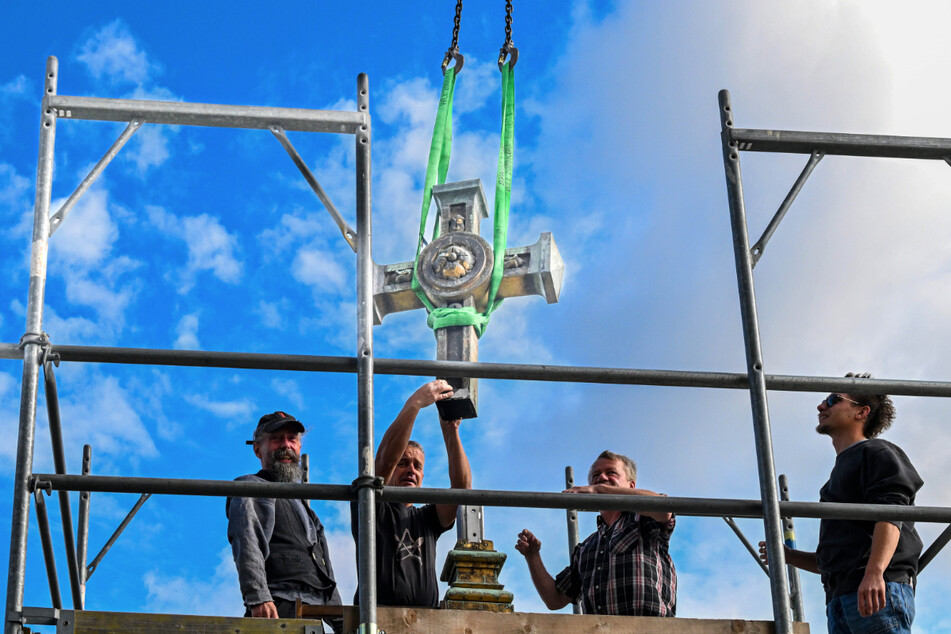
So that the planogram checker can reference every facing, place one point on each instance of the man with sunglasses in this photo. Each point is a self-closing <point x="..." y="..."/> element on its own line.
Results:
<point x="868" y="568"/>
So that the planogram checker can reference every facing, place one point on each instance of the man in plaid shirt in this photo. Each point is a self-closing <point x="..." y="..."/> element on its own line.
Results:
<point x="622" y="568"/>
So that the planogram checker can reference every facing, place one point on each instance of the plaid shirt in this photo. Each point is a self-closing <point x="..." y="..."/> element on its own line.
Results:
<point x="623" y="569"/>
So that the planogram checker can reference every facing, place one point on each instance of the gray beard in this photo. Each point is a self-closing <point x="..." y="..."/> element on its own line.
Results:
<point x="286" y="471"/>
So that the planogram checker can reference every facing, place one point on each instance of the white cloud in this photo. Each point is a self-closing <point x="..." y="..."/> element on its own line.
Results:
<point x="73" y="330"/>
<point x="153" y="390"/>
<point x="336" y="320"/>
<point x="216" y="593"/>
<point x="109" y="304"/>
<point x="9" y="417"/>
<point x="17" y="87"/>
<point x="15" y="199"/>
<point x="156" y="93"/>
<point x="187" y="332"/>
<point x="289" y="390"/>
<point x="414" y="101"/>
<point x="318" y="269"/>
<point x="293" y="228"/>
<point x="88" y="233"/>
<point x="113" y="54"/>
<point x="270" y="312"/>
<point x="81" y="251"/>
<point x="343" y="555"/>
<point x="235" y="412"/>
<point x="210" y="246"/>
<point x="344" y="103"/>
<point x="103" y="413"/>
<point x="475" y="84"/>
<point x="149" y="148"/>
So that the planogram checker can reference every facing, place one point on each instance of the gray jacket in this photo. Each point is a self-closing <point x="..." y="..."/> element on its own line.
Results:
<point x="250" y="527"/>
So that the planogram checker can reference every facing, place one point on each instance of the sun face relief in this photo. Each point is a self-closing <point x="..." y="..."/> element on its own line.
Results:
<point x="453" y="262"/>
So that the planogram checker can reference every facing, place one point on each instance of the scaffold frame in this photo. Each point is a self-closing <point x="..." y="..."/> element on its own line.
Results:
<point x="36" y="351"/>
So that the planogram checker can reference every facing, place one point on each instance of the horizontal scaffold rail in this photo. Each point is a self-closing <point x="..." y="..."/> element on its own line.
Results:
<point x="705" y="507"/>
<point x="205" y="114"/>
<point x="514" y="371"/>
<point x="792" y="142"/>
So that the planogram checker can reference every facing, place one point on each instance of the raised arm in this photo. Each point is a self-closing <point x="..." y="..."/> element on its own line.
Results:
<point x="398" y="433"/>
<point x="460" y="476"/>
<point x="610" y="489"/>
<point x="530" y="546"/>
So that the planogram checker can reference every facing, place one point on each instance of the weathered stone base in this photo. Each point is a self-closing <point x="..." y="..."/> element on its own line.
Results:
<point x="472" y="570"/>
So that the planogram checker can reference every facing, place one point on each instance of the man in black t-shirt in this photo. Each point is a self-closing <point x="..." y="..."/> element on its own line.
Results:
<point x="406" y="535"/>
<point x="868" y="568"/>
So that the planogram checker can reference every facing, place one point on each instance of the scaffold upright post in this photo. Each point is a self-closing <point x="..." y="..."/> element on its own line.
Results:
<point x="32" y="351"/>
<point x="366" y="501"/>
<point x="573" y="537"/>
<point x="789" y="538"/>
<point x="754" y="367"/>
<point x="82" y="530"/>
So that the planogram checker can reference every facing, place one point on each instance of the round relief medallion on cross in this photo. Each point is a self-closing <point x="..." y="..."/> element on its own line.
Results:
<point x="454" y="262"/>
<point x="454" y="267"/>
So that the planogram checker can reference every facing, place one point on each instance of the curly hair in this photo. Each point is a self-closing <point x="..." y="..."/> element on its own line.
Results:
<point x="881" y="409"/>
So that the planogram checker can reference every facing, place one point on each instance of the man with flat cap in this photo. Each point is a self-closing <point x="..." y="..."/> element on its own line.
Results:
<point x="278" y="544"/>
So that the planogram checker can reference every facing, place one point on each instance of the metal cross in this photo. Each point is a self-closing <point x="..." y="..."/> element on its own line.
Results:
<point x="455" y="270"/>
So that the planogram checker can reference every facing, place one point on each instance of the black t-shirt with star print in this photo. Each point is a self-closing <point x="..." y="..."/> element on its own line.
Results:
<point x="405" y="554"/>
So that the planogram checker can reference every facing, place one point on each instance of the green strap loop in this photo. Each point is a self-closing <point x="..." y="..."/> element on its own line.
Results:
<point x="436" y="171"/>
<point x="467" y="316"/>
<point x="503" y="186"/>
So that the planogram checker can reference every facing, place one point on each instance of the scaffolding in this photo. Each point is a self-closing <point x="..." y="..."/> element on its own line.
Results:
<point x="36" y="351"/>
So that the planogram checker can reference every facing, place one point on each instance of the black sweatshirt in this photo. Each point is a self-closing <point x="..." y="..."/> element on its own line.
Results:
<point x="869" y="472"/>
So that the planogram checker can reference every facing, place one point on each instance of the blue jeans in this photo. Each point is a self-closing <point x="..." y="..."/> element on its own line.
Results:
<point x="896" y="616"/>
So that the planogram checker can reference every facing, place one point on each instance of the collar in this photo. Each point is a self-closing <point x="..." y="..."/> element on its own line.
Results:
<point x="604" y="528"/>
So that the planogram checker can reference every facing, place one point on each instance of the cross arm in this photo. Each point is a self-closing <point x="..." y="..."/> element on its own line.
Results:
<point x="533" y="270"/>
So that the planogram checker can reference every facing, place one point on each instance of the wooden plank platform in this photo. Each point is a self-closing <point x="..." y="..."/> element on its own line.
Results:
<point x="413" y="620"/>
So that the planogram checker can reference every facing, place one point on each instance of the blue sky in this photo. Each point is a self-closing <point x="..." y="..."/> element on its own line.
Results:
<point x="209" y="239"/>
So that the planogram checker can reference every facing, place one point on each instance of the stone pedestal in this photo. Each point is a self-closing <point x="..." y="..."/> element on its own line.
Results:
<point x="472" y="570"/>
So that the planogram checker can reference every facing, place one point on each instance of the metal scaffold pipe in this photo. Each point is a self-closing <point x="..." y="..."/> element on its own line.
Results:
<point x="366" y="498"/>
<point x="482" y="370"/>
<point x="32" y="344"/>
<point x="711" y="507"/>
<point x="755" y="370"/>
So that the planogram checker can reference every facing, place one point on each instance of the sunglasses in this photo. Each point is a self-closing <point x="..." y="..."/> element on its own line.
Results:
<point x="832" y="399"/>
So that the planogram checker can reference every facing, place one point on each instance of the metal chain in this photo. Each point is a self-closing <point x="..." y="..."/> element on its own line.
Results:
<point x="455" y="29"/>
<point x="508" y="48"/>
<point x="453" y="52"/>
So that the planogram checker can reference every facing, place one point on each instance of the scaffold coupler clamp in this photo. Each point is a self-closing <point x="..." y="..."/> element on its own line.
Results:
<point x="36" y="484"/>
<point x="364" y="481"/>
<point x="41" y="339"/>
